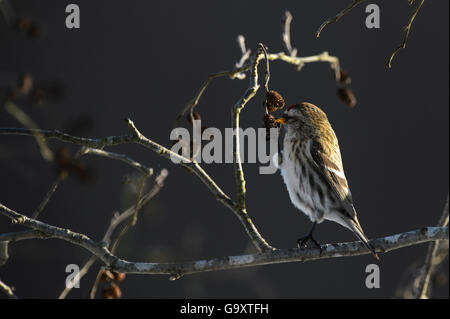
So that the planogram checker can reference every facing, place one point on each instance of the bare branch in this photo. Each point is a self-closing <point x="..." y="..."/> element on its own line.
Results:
<point x="7" y="11"/>
<point x="286" y="33"/>
<point x="8" y="290"/>
<point x="61" y="176"/>
<point x="61" y="233"/>
<point x="423" y="287"/>
<point x="22" y="235"/>
<point x="245" y="56"/>
<point x="121" y="157"/>
<point x="83" y="271"/>
<point x="407" y="29"/>
<point x="26" y="121"/>
<point x="338" y="16"/>
<point x="300" y="61"/>
<point x="116" y="220"/>
<point x="233" y="74"/>
<point x="193" y="103"/>
<point x="240" y="208"/>
<point x="267" y="71"/>
<point x="138" y="138"/>
<point x="133" y="220"/>
<point x="4" y="253"/>
<point x="84" y="151"/>
<point x="385" y="244"/>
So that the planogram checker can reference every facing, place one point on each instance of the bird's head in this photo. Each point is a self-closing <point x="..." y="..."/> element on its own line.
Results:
<point x="302" y="114"/>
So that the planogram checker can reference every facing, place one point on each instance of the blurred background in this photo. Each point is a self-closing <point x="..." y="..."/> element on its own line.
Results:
<point x="146" y="60"/>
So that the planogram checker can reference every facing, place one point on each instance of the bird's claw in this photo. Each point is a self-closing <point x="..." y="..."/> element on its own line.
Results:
<point x="303" y="243"/>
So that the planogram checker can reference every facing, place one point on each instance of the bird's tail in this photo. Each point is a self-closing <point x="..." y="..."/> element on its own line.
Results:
<point x="357" y="230"/>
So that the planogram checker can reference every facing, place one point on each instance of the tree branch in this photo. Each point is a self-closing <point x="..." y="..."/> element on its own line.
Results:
<point x="286" y="33"/>
<point x="245" y="56"/>
<point x="26" y="121"/>
<point x="116" y="220"/>
<point x="178" y="269"/>
<point x="8" y="290"/>
<point x="137" y="137"/>
<point x="385" y="244"/>
<point x="61" y="233"/>
<point x="407" y="29"/>
<point x="98" y="144"/>
<point x="61" y="176"/>
<point x="236" y="73"/>
<point x="241" y="211"/>
<point x="338" y="16"/>
<point x="121" y="157"/>
<point x="423" y="287"/>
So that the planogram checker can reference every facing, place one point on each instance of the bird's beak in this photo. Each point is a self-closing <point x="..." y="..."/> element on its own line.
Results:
<point x="281" y="120"/>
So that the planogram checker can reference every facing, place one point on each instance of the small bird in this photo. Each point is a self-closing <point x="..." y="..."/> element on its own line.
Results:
<point x="311" y="166"/>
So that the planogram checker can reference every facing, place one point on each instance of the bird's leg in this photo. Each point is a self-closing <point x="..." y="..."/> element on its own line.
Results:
<point x="303" y="241"/>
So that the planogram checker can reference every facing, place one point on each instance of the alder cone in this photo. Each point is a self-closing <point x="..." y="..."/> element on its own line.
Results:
<point x="273" y="101"/>
<point x="347" y="96"/>
<point x="270" y="121"/>
<point x="105" y="276"/>
<point x="118" y="276"/>
<point x="112" y="292"/>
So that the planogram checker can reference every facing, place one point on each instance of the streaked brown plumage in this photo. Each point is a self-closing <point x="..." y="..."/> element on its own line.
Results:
<point x="311" y="165"/>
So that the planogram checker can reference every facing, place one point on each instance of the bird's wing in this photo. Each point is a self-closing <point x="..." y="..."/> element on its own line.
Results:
<point x="327" y="162"/>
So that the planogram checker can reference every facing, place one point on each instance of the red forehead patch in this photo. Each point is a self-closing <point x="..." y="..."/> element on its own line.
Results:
<point x="291" y="107"/>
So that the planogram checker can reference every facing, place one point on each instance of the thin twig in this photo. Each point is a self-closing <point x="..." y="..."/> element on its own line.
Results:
<point x="7" y="290"/>
<point x="83" y="271"/>
<point x="61" y="233"/>
<point x="61" y="176"/>
<point x="84" y="151"/>
<point x="423" y="287"/>
<point x="133" y="220"/>
<point x="7" y="12"/>
<point x="267" y="71"/>
<point x="26" y="121"/>
<point x="121" y="157"/>
<point x="407" y="29"/>
<point x="194" y="102"/>
<point x="338" y="16"/>
<point x="116" y="220"/>
<point x="245" y="56"/>
<point x="4" y="252"/>
<point x="138" y="138"/>
<point x="286" y="33"/>
<point x="298" y="62"/>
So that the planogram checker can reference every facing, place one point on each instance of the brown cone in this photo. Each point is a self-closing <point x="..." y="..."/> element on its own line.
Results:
<point x="273" y="101"/>
<point x="346" y="96"/>
<point x="112" y="292"/>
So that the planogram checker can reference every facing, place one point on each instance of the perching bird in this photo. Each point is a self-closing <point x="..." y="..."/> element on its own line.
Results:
<point x="311" y="166"/>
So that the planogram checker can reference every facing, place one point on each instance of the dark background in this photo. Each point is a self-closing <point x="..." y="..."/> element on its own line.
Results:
<point x="146" y="59"/>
